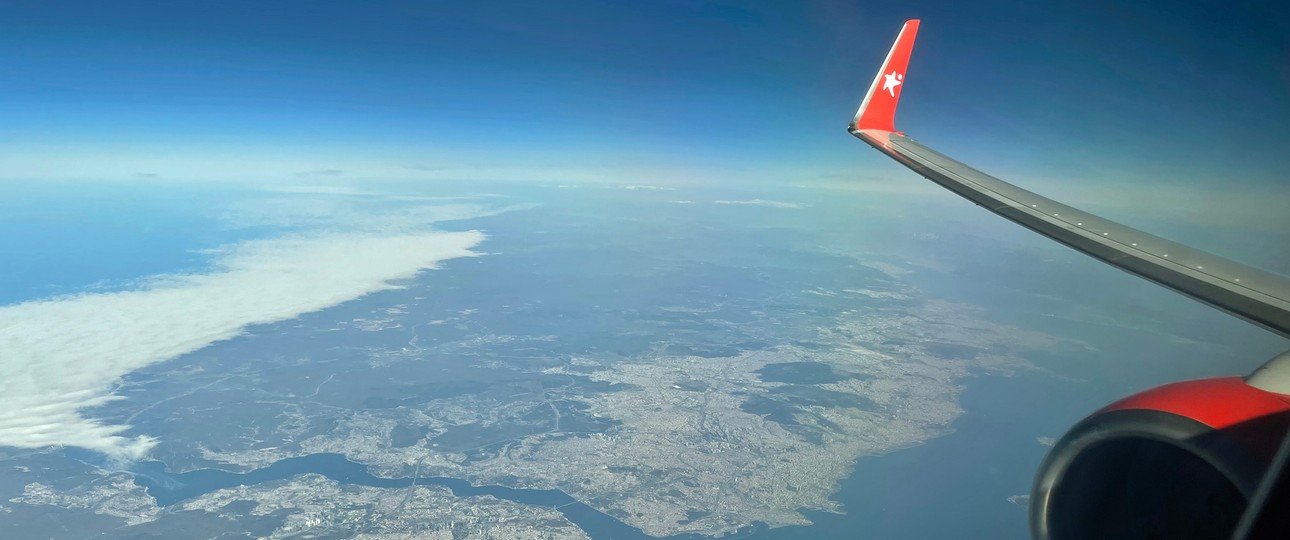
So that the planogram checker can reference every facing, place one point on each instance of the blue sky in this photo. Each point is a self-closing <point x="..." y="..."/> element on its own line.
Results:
<point x="1112" y="96"/>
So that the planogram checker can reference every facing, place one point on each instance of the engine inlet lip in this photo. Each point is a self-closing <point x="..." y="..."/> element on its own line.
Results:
<point x="1220" y="452"/>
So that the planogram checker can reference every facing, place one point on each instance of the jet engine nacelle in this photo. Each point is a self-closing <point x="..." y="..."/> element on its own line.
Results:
<point x="1178" y="461"/>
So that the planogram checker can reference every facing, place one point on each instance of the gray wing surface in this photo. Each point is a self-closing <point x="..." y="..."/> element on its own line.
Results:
<point x="1260" y="297"/>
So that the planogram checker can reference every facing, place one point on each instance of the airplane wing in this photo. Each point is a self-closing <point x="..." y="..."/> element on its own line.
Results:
<point x="1257" y="296"/>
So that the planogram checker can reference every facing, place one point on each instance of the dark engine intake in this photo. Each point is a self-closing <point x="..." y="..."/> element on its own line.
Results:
<point x="1179" y="461"/>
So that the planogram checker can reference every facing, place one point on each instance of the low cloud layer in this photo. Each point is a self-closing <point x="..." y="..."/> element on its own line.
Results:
<point x="62" y="355"/>
<point x="763" y="202"/>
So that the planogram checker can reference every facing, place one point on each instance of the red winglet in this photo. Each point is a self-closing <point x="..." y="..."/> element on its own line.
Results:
<point x="878" y="111"/>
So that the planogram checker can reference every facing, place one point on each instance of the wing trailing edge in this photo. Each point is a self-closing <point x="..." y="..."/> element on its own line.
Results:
<point x="1260" y="297"/>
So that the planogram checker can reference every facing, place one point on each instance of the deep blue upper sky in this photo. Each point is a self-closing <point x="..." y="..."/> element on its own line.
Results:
<point x="1120" y="95"/>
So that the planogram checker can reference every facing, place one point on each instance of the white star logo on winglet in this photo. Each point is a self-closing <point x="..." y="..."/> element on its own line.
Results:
<point x="893" y="80"/>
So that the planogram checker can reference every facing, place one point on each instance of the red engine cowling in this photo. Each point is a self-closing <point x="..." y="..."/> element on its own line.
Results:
<point x="1178" y="461"/>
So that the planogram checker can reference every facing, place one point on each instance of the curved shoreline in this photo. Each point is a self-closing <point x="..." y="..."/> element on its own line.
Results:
<point x="173" y="488"/>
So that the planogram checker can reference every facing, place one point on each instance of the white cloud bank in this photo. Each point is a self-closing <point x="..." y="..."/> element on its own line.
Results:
<point x="649" y="187"/>
<point x="59" y="356"/>
<point x="763" y="202"/>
